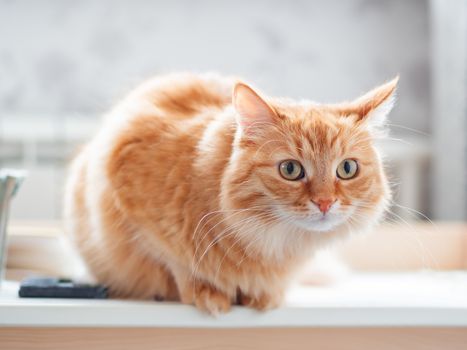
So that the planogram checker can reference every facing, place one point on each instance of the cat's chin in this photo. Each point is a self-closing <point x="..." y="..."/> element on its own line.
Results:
<point x="323" y="224"/>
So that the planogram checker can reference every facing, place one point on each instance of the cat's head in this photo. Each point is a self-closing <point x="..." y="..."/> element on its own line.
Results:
<point x="313" y="167"/>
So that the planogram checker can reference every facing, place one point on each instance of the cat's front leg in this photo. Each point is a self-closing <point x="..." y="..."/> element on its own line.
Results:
<point x="265" y="300"/>
<point x="210" y="299"/>
<point x="202" y="294"/>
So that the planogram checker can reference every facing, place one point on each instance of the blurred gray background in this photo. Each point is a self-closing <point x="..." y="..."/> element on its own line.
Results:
<point x="63" y="63"/>
<point x="62" y="56"/>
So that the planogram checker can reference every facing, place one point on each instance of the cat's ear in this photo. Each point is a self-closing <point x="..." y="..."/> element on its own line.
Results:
<point x="252" y="110"/>
<point x="374" y="107"/>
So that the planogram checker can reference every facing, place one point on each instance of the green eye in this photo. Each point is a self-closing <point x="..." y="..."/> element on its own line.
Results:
<point x="291" y="170"/>
<point x="347" y="169"/>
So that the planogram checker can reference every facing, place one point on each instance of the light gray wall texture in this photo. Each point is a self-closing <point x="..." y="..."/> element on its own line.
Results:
<point x="63" y="57"/>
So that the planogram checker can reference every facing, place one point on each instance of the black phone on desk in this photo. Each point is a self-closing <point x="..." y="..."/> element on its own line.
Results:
<point x="50" y="287"/>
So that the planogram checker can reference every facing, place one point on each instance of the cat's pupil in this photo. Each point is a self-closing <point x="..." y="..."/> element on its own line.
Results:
<point x="347" y="167"/>
<point x="290" y="168"/>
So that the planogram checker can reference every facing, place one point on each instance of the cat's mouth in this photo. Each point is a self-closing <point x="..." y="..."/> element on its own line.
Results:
<point x="316" y="222"/>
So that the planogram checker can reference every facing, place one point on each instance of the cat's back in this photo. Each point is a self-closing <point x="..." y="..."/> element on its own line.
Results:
<point x="170" y="111"/>
<point x="159" y="124"/>
<point x="181" y="95"/>
<point x="163" y="118"/>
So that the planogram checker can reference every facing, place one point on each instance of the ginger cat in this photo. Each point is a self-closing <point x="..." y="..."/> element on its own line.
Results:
<point x="199" y="189"/>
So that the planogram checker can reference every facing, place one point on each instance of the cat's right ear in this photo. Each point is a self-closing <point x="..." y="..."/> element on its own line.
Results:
<point x="253" y="112"/>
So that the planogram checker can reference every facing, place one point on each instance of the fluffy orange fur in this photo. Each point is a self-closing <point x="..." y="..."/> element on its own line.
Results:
<point x="179" y="195"/>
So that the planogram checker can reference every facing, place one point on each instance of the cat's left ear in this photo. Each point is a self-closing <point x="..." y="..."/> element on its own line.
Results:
<point x="374" y="107"/>
<point x="253" y="112"/>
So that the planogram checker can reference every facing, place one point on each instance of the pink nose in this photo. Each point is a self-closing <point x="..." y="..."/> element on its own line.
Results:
<point x="324" y="204"/>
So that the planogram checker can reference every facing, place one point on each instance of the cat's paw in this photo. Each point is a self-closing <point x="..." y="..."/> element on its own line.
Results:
<point x="262" y="302"/>
<point x="211" y="300"/>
